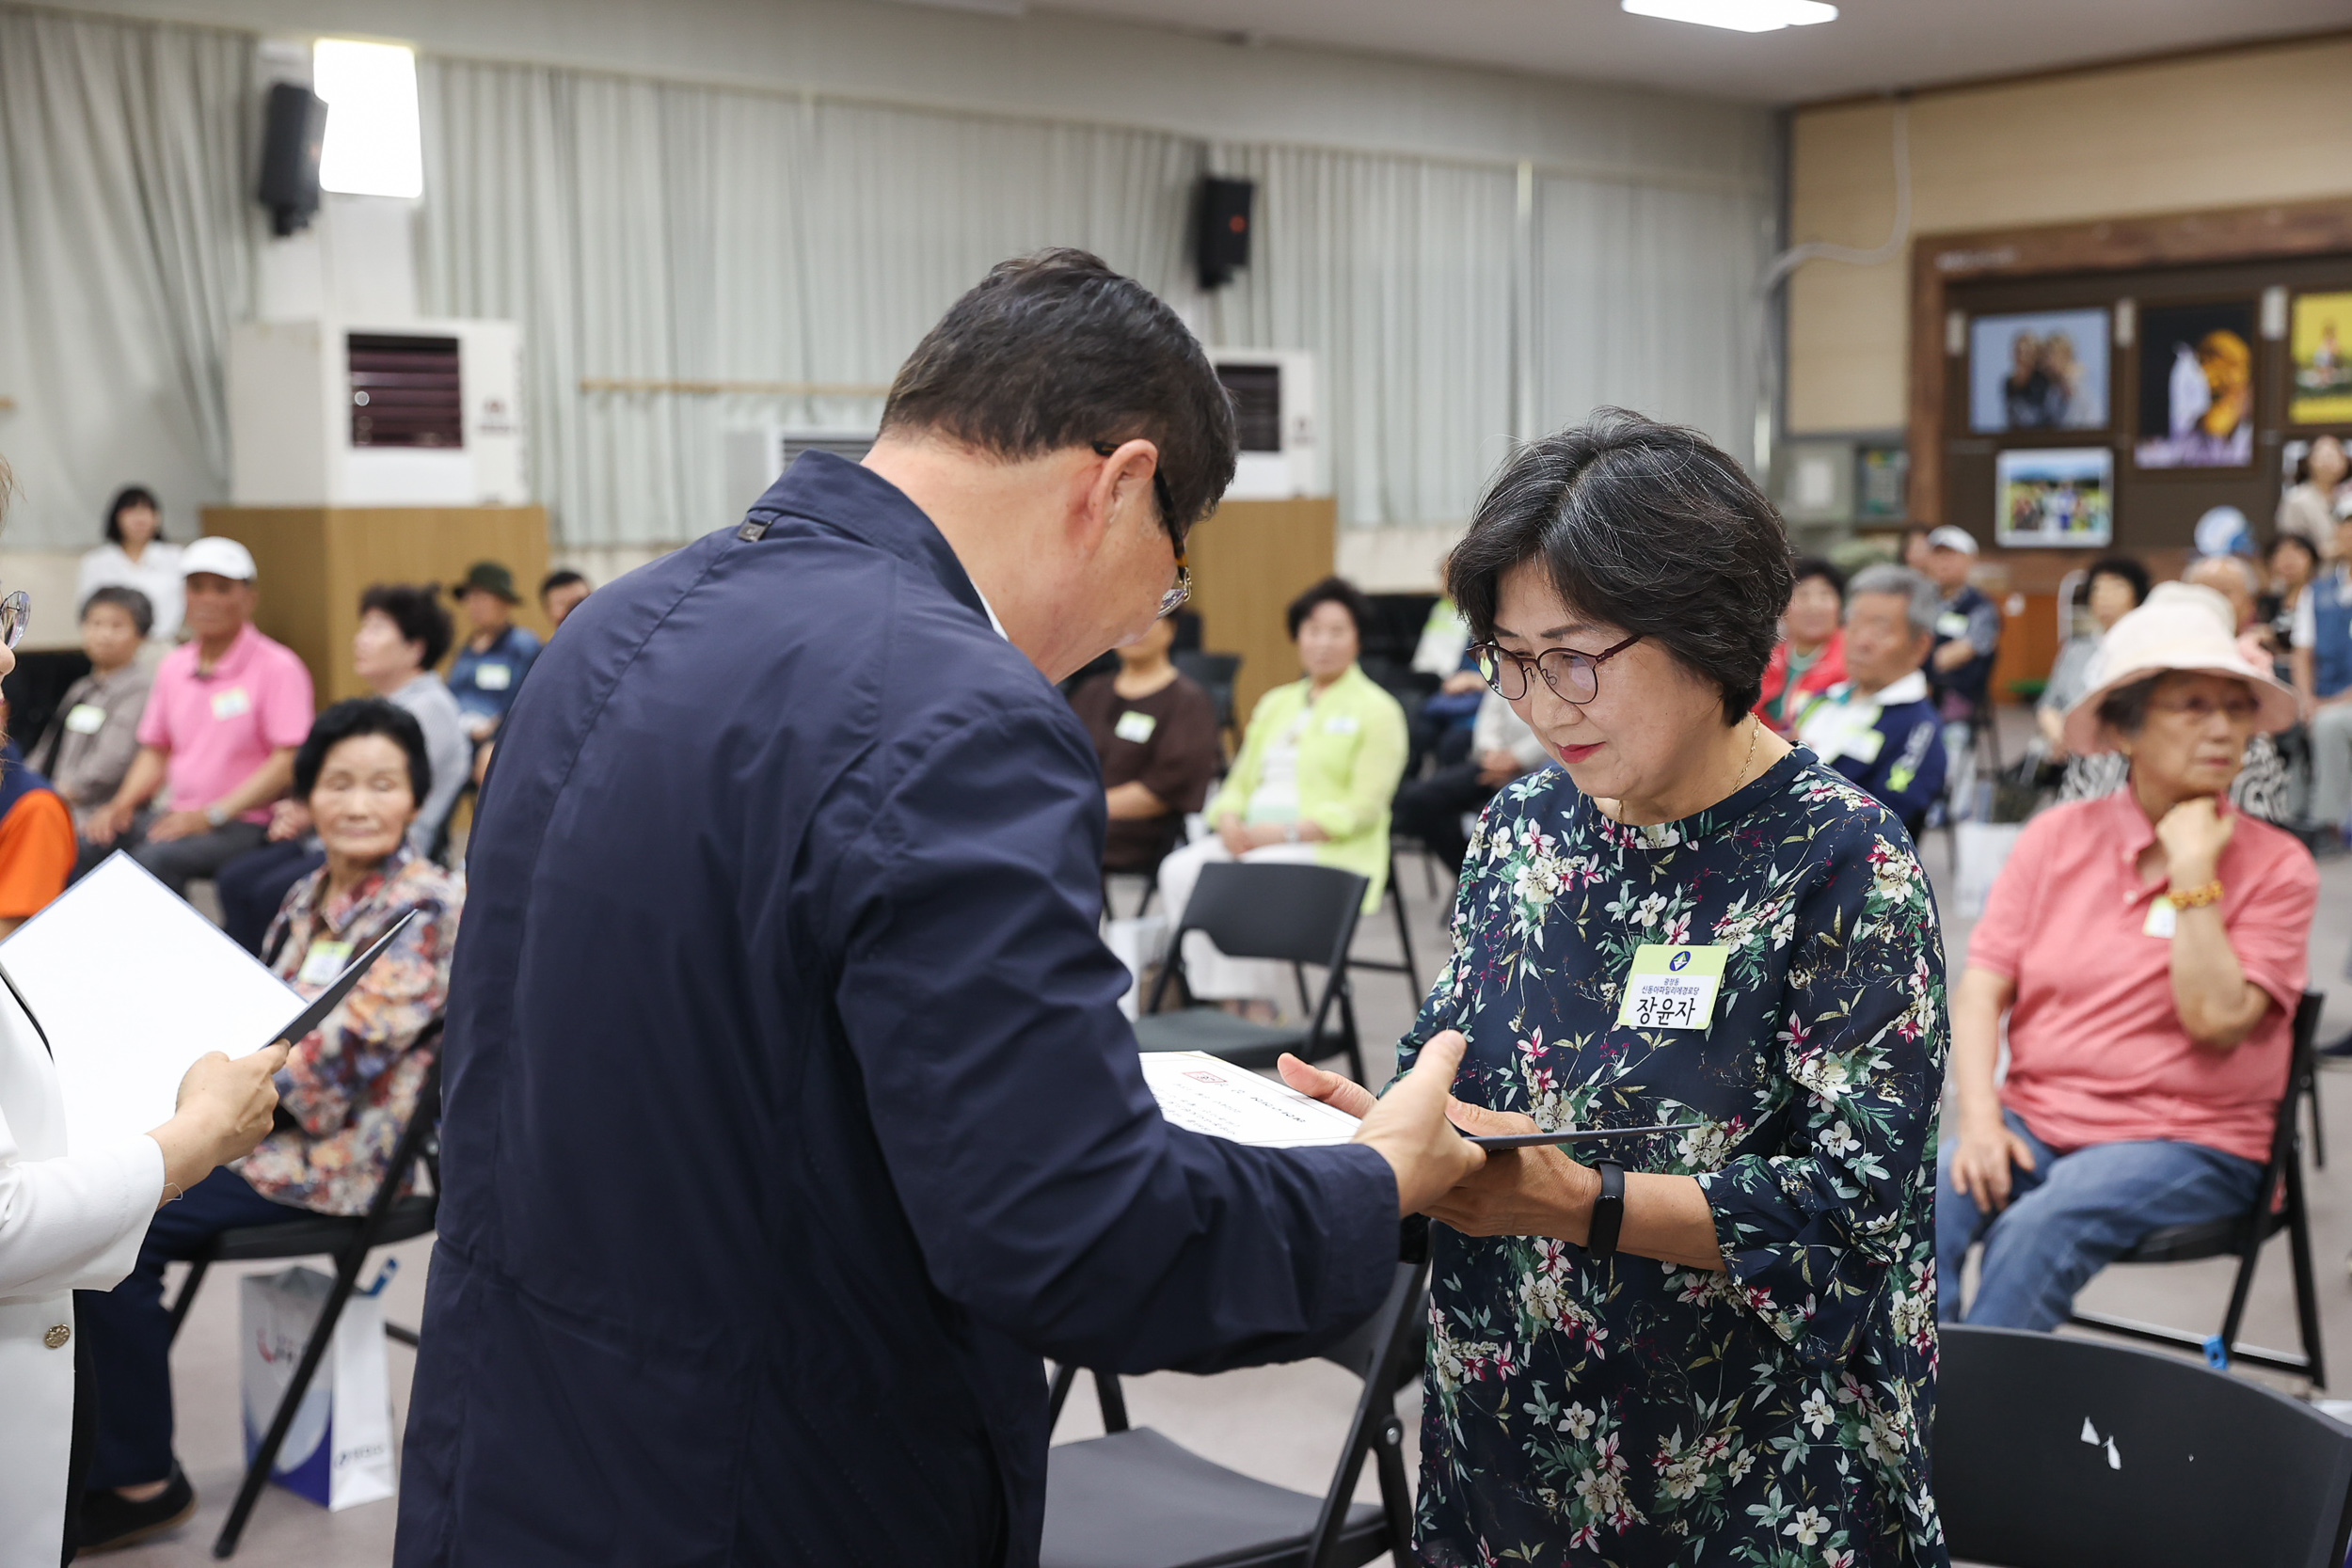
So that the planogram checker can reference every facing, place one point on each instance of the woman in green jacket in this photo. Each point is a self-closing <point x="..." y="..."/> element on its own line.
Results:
<point x="1317" y="769"/>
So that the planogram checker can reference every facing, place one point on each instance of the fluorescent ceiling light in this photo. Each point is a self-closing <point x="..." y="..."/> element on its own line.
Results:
<point x="1741" y="16"/>
<point x="373" y="146"/>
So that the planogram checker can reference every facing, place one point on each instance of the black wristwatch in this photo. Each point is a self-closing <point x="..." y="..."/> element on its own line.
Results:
<point x="1607" y="1209"/>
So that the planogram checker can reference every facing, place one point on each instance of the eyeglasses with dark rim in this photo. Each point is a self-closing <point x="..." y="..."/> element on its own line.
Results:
<point x="16" y="614"/>
<point x="1173" y="600"/>
<point x="1574" y="676"/>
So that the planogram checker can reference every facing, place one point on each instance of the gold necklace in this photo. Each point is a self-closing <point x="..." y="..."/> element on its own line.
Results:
<point x="1756" y="733"/>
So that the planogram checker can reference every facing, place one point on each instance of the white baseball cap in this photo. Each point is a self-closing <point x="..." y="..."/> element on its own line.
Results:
<point x="1952" y="537"/>
<point x="222" y="558"/>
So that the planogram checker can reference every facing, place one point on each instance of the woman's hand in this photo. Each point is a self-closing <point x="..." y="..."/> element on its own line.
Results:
<point x="288" y="819"/>
<point x="1408" y="1127"/>
<point x="1235" y="836"/>
<point x="224" y="1110"/>
<point x="110" y="822"/>
<point x="1981" y="1165"/>
<point x="1520" y="1191"/>
<point x="178" y="824"/>
<point x="2193" y="834"/>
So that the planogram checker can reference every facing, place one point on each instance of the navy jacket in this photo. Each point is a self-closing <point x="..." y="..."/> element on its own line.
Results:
<point x="791" y="1117"/>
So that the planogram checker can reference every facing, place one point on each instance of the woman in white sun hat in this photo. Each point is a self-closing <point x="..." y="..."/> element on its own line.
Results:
<point x="2148" y="949"/>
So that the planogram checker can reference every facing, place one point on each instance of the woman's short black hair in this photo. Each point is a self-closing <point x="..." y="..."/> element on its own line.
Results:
<point x="128" y="600"/>
<point x="1647" y="527"/>
<point x="2270" y="556"/>
<point x="125" y="499"/>
<point x="2129" y="569"/>
<point x="1808" y="566"/>
<point x="562" y="577"/>
<point x="1331" y="590"/>
<point x="417" y="610"/>
<point x="347" y="720"/>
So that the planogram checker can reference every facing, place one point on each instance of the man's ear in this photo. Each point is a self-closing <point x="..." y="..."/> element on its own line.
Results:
<point x="1123" y="479"/>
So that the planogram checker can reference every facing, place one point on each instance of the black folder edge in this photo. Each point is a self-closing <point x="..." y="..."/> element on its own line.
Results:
<point x="1595" y="1134"/>
<point x="332" y="997"/>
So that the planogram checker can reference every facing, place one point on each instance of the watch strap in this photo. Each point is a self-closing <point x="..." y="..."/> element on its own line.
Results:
<point x="1607" y="1209"/>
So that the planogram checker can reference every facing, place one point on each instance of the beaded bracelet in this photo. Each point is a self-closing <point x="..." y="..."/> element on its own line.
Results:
<point x="2196" y="898"/>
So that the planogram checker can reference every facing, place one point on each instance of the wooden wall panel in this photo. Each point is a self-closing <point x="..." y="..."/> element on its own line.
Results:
<point x="316" y="563"/>
<point x="1248" y="561"/>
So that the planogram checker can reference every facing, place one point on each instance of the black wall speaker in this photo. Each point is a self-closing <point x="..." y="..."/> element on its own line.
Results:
<point x="290" y="140"/>
<point x="1221" y="234"/>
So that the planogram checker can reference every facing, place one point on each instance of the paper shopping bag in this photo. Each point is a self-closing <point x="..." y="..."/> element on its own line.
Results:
<point x="338" y="1451"/>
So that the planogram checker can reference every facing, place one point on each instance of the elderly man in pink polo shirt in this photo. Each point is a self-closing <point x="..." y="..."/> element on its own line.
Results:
<point x="2149" y="948"/>
<point x="217" y="743"/>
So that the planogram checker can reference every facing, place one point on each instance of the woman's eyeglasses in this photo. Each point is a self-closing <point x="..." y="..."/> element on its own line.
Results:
<point x="1173" y="600"/>
<point x="1574" y="676"/>
<point x="16" y="613"/>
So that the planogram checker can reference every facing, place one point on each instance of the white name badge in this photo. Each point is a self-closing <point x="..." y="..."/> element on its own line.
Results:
<point x="2164" y="918"/>
<point x="1952" y="622"/>
<point x="1672" y="987"/>
<point x="1342" y="723"/>
<point x="492" y="677"/>
<point x="84" y="719"/>
<point x="231" y="704"/>
<point x="323" y="962"/>
<point x="1863" y="745"/>
<point x="1134" y="726"/>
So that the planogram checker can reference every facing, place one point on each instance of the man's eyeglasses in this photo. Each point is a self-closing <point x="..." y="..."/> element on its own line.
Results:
<point x="16" y="614"/>
<point x="1574" y="676"/>
<point x="1173" y="600"/>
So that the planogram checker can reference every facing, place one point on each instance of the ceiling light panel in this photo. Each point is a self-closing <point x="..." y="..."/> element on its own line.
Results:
<point x="1741" y="16"/>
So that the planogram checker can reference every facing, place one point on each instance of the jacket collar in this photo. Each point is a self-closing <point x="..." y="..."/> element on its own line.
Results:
<point x="843" y="494"/>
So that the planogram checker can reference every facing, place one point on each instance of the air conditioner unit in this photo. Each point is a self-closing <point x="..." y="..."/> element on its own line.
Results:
<point x="422" y="413"/>
<point x="1277" y="405"/>
<point x="757" y="455"/>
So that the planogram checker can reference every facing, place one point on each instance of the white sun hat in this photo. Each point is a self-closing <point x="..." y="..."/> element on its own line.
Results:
<point x="2183" y="628"/>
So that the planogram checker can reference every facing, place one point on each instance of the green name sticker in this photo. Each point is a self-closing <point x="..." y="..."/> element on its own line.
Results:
<point x="1672" y="987"/>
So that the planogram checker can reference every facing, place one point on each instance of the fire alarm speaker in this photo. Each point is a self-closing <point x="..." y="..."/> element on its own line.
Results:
<point x="1222" y="234"/>
<point x="290" y="140"/>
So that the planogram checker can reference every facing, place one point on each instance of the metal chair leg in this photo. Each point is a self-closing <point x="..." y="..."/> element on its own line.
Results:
<point x="1403" y="927"/>
<point x="1113" y="1401"/>
<point x="1058" y="1394"/>
<point x="1396" y="1497"/>
<point x="186" y="1298"/>
<point x="265" y="1457"/>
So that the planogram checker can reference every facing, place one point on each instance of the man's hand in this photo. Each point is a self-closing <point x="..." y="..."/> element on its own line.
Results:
<point x="1408" y="1128"/>
<point x="1981" y="1165"/>
<point x="2193" y="834"/>
<point x="1496" y="769"/>
<point x="178" y="824"/>
<point x="1952" y="655"/>
<point x="110" y="823"/>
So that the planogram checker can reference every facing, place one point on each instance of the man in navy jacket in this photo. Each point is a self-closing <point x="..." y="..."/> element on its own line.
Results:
<point x="1879" y="726"/>
<point x="791" y="1116"/>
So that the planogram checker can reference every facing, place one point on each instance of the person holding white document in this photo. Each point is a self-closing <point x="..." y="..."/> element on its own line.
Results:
<point x="72" y="1219"/>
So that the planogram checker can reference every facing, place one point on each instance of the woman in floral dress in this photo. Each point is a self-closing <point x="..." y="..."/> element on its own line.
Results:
<point x="1745" y="1376"/>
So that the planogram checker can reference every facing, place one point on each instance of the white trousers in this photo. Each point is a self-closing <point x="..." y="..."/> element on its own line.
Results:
<point x="1211" y="975"/>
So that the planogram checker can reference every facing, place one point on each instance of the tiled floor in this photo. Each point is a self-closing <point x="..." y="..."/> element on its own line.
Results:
<point x="1281" y="1423"/>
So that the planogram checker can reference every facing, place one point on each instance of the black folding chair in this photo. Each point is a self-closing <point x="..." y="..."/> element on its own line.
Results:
<point x="2052" y="1452"/>
<point x="1395" y="897"/>
<point x="391" y="1216"/>
<point x="1303" y="913"/>
<point x="1214" y="674"/>
<point x="2278" y="1205"/>
<point x="1133" y="1498"/>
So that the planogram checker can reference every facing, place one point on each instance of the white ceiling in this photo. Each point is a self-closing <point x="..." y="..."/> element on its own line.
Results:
<point x="1874" y="45"/>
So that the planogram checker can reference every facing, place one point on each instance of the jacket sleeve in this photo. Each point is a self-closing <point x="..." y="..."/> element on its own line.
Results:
<point x="1241" y="780"/>
<point x="1372" y="783"/>
<point x="75" y="1223"/>
<point x="1048" y="1196"/>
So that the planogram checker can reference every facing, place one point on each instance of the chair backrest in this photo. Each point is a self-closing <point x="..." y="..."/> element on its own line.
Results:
<point x="1214" y="674"/>
<point x="2053" y="1452"/>
<point x="1304" y="913"/>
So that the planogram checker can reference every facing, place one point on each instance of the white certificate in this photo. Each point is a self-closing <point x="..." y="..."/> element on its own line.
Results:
<point x="1202" y="1094"/>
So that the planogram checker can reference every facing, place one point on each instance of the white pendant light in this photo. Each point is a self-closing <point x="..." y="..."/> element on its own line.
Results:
<point x="1741" y="16"/>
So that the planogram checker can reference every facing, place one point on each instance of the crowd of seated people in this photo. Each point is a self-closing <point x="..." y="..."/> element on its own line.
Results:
<point x="1155" y="731"/>
<point x="2147" y="950"/>
<point x="348" y="1090"/>
<point x="1319" y="766"/>
<point x="1880" y="725"/>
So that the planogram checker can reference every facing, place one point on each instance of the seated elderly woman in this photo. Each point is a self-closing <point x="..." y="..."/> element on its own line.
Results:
<point x="1319" y="764"/>
<point x="1155" y="732"/>
<point x="2147" y="949"/>
<point x="349" y="1088"/>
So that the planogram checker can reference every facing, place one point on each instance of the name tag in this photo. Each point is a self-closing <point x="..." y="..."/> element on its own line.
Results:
<point x="1863" y="745"/>
<point x="1135" y="726"/>
<point x="84" y="719"/>
<point x="1952" y="622"/>
<point x="323" y="962"/>
<point x="1342" y="723"/>
<point x="1672" y="987"/>
<point x="492" y="677"/>
<point x="231" y="704"/>
<point x="2163" y="918"/>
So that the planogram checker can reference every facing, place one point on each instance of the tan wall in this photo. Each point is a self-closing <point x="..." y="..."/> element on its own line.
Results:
<point x="2218" y="130"/>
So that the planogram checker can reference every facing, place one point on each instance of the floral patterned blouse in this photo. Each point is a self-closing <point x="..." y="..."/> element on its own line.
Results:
<point x="356" y="1080"/>
<point x="1631" y="1412"/>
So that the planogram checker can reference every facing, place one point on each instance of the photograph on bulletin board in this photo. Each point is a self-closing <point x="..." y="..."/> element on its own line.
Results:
<point x="2196" y="385"/>
<point x="2322" y="367"/>
<point x="2045" y="369"/>
<point x="2061" y="496"/>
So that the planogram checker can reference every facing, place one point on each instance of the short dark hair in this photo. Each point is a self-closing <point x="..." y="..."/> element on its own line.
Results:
<point x="2131" y="570"/>
<point x="1644" y="525"/>
<point x="1331" y="590"/>
<point x="347" y="720"/>
<point x="2271" y="555"/>
<point x="1056" y="350"/>
<point x="1809" y="566"/>
<point x="418" y="611"/>
<point x="2124" y="710"/>
<point x="125" y="499"/>
<point x="128" y="600"/>
<point x="562" y="577"/>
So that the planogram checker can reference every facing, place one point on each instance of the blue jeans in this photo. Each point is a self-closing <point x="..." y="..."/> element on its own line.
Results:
<point x="128" y="1329"/>
<point x="2072" y="1215"/>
